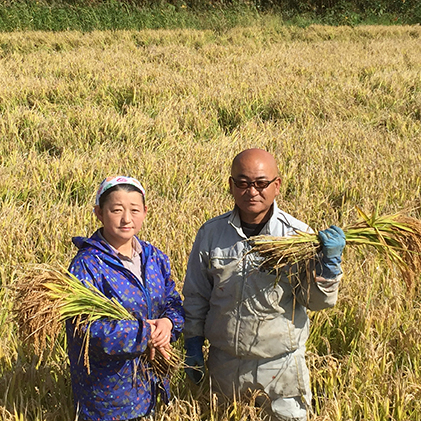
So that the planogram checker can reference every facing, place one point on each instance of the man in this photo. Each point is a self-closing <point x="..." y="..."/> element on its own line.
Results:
<point x="257" y="328"/>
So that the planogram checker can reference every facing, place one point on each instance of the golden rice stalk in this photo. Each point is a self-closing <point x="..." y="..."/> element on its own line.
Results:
<point x="36" y="315"/>
<point x="161" y="366"/>
<point x="397" y="238"/>
<point x="46" y="297"/>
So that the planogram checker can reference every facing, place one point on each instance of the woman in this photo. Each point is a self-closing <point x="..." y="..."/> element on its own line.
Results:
<point x="137" y="274"/>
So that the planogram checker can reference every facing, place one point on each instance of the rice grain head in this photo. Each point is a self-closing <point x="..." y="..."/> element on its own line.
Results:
<point x="397" y="239"/>
<point x="46" y="297"/>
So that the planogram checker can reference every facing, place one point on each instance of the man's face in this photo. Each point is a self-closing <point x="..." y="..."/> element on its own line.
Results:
<point x="254" y="202"/>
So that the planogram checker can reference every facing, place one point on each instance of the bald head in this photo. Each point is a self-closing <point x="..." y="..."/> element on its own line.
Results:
<point x="253" y="158"/>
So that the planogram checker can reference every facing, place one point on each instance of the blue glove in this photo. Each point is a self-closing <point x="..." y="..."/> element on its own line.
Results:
<point x="333" y="243"/>
<point x="194" y="358"/>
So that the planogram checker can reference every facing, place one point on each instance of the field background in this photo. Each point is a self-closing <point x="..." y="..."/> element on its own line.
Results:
<point x="340" y="108"/>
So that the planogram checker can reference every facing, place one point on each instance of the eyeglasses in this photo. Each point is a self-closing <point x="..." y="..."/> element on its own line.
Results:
<point x="257" y="184"/>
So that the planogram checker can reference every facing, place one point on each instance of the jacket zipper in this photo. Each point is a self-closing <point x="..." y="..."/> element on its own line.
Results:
<point x="143" y="288"/>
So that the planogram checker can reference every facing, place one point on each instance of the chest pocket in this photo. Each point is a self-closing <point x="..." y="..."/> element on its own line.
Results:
<point x="262" y="298"/>
<point x="239" y="283"/>
<point x="225" y="273"/>
<point x="225" y="269"/>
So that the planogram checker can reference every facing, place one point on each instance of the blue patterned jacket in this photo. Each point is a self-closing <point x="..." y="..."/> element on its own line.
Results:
<point x="117" y="387"/>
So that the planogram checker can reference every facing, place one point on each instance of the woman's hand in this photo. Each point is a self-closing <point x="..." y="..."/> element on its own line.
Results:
<point x="161" y="349"/>
<point x="160" y="336"/>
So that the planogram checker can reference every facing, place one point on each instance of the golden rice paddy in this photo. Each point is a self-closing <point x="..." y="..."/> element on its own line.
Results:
<point x="340" y="108"/>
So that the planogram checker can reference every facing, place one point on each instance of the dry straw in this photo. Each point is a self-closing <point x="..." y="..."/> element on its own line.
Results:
<point x="46" y="297"/>
<point x="397" y="238"/>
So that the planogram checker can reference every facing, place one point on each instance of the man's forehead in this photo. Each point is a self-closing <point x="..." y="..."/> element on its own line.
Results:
<point x="255" y="167"/>
<point x="248" y="175"/>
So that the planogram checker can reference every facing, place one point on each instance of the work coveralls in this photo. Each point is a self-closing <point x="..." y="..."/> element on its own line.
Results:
<point x="257" y="327"/>
<point x="118" y="386"/>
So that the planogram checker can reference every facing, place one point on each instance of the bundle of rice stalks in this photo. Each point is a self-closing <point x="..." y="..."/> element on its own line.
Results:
<point x="397" y="238"/>
<point x="162" y="366"/>
<point x="45" y="298"/>
<point x="36" y="315"/>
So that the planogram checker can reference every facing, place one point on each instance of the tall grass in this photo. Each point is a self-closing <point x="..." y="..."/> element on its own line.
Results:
<point x="219" y="16"/>
<point x="340" y="108"/>
<point x="119" y="15"/>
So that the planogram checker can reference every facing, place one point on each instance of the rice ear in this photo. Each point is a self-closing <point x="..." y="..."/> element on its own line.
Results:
<point x="45" y="297"/>
<point x="397" y="239"/>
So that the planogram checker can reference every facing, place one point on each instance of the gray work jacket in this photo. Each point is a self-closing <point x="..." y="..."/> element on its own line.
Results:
<point x="240" y="308"/>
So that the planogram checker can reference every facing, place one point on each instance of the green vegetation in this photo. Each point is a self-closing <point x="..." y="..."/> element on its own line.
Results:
<point x="62" y="15"/>
<point x="340" y="108"/>
<point x="114" y="15"/>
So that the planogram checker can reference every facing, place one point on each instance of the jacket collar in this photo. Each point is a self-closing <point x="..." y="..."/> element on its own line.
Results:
<point x="269" y="227"/>
<point x="97" y="242"/>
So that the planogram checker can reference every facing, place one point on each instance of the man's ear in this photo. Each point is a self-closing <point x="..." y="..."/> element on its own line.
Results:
<point x="277" y="183"/>
<point x="231" y="184"/>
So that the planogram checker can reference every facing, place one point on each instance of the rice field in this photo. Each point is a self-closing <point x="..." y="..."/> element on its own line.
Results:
<point x="340" y="108"/>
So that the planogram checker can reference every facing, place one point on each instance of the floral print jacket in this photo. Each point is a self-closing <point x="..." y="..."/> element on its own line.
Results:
<point x="115" y="385"/>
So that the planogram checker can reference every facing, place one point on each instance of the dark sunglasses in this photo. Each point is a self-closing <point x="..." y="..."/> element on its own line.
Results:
<point x="257" y="184"/>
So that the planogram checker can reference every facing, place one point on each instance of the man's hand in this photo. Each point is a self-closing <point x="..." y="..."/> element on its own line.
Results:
<point x="333" y="243"/>
<point x="195" y="364"/>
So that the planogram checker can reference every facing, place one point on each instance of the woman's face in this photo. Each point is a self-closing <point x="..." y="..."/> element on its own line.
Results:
<point x="122" y="216"/>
